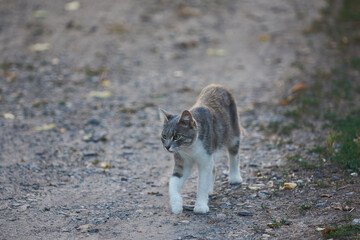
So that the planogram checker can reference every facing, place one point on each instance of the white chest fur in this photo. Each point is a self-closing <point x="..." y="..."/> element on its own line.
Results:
<point x="195" y="153"/>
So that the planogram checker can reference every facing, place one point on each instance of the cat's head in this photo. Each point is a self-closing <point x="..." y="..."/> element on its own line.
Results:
<point x="179" y="131"/>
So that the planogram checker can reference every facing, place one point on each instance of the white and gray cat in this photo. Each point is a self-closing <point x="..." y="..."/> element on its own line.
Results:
<point x="196" y="136"/>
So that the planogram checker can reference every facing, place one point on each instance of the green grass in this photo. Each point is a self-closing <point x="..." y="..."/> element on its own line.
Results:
<point x="295" y="114"/>
<point x="355" y="63"/>
<point x="348" y="140"/>
<point x="343" y="142"/>
<point x="343" y="232"/>
<point x="301" y="162"/>
<point x="322" y="184"/>
<point x="303" y="208"/>
<point x="273" y="127"/>
<point x="331" y="96"/>
<point x="91" y="72"/>
<point x="280" y="128"/>
<point x="350" y="11"/>
<point x="318" y="150"/>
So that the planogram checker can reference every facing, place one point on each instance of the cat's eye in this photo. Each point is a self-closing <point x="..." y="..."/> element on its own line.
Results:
<point x="164" y="136"/>
<point x="176" y="137"/>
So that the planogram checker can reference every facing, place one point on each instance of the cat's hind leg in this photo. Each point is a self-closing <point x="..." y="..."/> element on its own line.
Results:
<point x="234" y="176"/>
<point x="211" y="187"/>
<point x="181" y="171"/>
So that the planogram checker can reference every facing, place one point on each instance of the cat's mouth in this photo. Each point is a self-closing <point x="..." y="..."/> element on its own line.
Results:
<point x="170" y="150"/>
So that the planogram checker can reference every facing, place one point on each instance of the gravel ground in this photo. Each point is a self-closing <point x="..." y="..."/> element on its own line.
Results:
<point x="80" y="152"/>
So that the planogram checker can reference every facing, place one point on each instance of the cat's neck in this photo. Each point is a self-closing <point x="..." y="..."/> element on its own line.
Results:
<point x="193" y="151"/>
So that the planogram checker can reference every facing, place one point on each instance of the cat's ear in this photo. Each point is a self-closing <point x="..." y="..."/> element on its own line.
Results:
<point x="187" y="119"/>
<point x="165" y="116"/>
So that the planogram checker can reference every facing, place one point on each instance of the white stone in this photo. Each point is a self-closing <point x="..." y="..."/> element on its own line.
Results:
<point x="356" y="221"/>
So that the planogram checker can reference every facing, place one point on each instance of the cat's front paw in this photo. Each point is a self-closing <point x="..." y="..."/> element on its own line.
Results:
<point x="201" y="208"/>
<point x="177" y="209"/>
<point x="176" y="204"/>
<point x="235" y="179"/>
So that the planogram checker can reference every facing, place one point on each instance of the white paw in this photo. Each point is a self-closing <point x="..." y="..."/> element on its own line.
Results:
<point x="177" y="209"/>
<point x="176" y="205"/>
<point x="211" y="189"/>
<point x="210" y="192"/>
<point x="201" y="208"/>
<point x="235" y="179"/>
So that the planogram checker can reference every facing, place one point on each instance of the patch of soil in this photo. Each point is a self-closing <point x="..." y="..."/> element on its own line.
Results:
<point x="80" y="154"/>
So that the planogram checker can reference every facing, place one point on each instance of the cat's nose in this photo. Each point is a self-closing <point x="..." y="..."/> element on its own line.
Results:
<point x="167" y="147"/>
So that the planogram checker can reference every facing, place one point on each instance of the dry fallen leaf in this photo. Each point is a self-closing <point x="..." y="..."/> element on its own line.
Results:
<point x="85" y="226"/>
<point x="45" y="127"/>
<point x="104" y="165"/>
<point x="11" y="77"/>
<point x="290" y="185"/>
<point x="87" y="137"/>
<point x="264" y="38"/>
<point x="9" y="115"/>
<point x="328" y="230"/>
<point x="40" y="47"/>
<point x="287" y="100"/>
<point x="298" y="87"/>
<point x="105" y="83"/>
<point x="186" y="44"/>
<point x="325" y="195"/>
<point x="72" y="6"/>
<point x="188" y="12"/>
<point x="348" y="209"/>
<point x="99" y="94"/>
<point x="216" y="52"/>
<point x="40" y="14"/>
<point x="338" y="208"/>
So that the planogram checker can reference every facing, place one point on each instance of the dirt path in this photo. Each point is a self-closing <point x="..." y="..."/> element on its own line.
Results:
<point x="136" y="56"/>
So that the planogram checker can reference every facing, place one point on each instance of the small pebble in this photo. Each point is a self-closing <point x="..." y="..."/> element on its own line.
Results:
<point x="334" y="178"/>
<point x="322" y="204"/>
<point x="263" y="195"/>
<point x="245" y="214"/>
<point x="24" y="207"/>
<point x="318" y="174"/>
<point x="356" y="221"/>
<point x="300" y="182"/>
<point x="354" y="174"/>
<point x="93" y="121"/>
<point x="90" y="154"/>
<point x="128" y="153"/>
<point x="188" y="208"/>
<point x="220" y="216"/>
<point x="349" y="194"/>
<point x="252" y="196"/>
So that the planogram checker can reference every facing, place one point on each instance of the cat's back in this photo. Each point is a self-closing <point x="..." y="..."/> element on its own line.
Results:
<point x="215" y="96"/>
